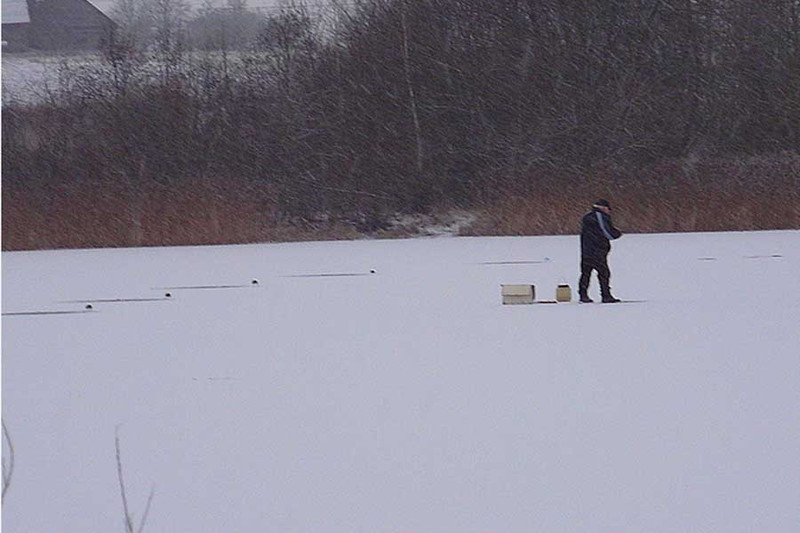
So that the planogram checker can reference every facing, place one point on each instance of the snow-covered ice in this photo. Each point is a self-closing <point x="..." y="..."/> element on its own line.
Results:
<point x="409" y="400"/>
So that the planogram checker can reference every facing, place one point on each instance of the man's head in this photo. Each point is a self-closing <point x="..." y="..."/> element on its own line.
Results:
<point x="603" y="205"/>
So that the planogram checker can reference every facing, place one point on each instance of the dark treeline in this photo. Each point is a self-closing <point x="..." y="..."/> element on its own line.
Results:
<point x="403" y="106"/>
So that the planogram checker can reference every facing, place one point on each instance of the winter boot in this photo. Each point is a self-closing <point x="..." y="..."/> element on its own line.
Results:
<point x="608" y="299"/>
<point x="584" y="299"/>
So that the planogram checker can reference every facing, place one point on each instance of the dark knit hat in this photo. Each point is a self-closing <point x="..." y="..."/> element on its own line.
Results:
<point x="603" y="202"/>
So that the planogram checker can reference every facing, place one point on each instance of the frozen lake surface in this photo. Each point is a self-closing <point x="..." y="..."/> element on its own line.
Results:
<point x="408" y="399"/>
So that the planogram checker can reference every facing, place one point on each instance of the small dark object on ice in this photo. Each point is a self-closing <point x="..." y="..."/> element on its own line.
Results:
<point x="168" y="295"/>
<point x="254" y="282"/>
<point x="89" y="307"/>
<point x="372" y="271"/>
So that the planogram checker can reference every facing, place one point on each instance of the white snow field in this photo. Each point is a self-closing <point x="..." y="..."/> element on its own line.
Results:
<point x="409" y="400"/>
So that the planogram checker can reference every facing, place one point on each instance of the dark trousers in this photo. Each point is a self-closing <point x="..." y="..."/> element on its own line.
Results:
<point x="600" y="264"/>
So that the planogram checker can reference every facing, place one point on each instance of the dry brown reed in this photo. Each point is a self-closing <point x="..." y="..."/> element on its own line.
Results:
<point x="711" y="194"/>
<point x="194" y="212"/>
<point x="714" y="194"/>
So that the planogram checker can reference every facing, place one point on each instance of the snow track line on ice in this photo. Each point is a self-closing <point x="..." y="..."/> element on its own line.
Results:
<point x="45" y="313"/>
<point x="116" y="300"/>
<point x="206" y="287"/>
<point x="532" y="262"/>
<point x="770" y="256"/>
<point x="331" y="275"/>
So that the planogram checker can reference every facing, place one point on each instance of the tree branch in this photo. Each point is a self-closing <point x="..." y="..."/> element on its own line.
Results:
<point x="8" y="468"/>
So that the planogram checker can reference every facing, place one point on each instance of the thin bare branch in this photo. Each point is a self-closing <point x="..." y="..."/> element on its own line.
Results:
<point x="146" y="509"/>
<point x="8" y="466"/>
<point x="127" y="516"/>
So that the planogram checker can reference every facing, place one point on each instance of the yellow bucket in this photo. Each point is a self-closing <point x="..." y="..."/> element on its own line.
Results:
<point x="563" y="293"/>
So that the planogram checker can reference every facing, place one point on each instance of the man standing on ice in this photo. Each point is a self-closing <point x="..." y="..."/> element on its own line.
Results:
<point x="597" y="232"/>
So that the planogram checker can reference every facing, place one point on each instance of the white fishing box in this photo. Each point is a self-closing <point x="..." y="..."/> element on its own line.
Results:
<point x="518" y="294"/>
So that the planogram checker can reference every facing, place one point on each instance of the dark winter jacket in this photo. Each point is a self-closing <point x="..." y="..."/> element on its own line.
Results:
<point x="597" y="232"/>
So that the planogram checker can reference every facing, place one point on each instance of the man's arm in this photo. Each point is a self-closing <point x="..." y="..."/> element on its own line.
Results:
<point x="607" y="227"/>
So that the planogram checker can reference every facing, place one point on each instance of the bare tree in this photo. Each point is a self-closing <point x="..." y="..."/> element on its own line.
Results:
<point x="135" y="19"/>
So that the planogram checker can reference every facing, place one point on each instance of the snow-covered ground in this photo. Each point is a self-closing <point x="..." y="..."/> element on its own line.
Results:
<point x="408" y="400"/>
